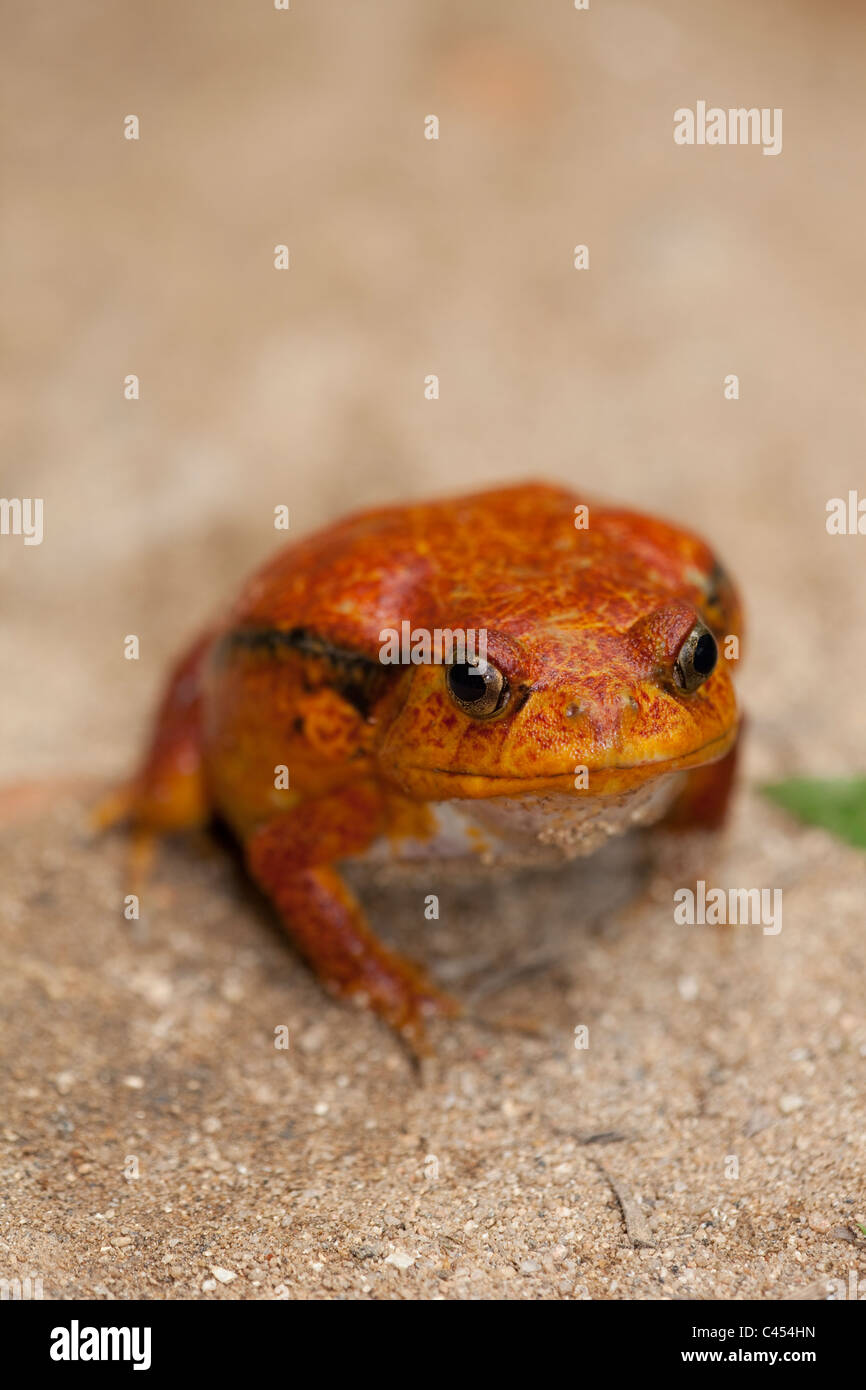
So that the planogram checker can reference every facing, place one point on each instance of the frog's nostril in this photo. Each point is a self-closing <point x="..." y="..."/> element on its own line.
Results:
<point x="572" y="711"/>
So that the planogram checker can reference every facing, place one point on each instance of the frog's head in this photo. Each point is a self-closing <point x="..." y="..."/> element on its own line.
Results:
<point x="578" y="703"/>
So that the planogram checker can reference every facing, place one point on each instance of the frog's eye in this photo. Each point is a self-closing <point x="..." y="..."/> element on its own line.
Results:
<point x="696" y="658"/>
<point x="480" y="694"/>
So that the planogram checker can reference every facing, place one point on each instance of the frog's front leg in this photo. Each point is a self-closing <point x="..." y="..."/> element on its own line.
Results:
<point x="291" y="858"/>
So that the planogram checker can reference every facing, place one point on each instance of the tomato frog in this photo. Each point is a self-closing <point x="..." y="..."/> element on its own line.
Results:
<point x="604" y="701"/>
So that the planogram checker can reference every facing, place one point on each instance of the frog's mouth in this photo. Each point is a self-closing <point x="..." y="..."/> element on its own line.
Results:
<point x="439" y="783"/>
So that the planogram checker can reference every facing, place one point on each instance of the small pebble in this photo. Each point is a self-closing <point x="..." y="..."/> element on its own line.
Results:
<point x="842" y="1233"/>
<point x="788" y="1104"/>
<point x="400" y="1259"/>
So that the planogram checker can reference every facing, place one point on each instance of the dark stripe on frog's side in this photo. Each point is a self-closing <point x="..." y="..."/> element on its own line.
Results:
<point x="358" y="679"/>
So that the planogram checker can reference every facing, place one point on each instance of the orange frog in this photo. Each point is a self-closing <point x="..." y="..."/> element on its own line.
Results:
<point x="600" y="702"/>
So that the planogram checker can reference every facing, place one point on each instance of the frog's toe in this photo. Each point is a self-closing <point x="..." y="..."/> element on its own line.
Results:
<point x="400" y="993"/>
<point x="434" y="1004"/>
<point x="114" y="808"/>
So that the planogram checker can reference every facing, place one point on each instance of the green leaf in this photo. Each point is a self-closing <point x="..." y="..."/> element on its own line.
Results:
<point x="838" y="805"/>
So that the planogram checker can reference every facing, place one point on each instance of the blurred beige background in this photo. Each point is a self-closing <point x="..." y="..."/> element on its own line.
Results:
<point x="305" y="1171"/>
<point x="411" y="257"/>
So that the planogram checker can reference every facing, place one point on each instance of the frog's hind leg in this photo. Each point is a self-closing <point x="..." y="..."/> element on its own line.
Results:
<point x="291" y="858"/>
<point x="168" y="791"/>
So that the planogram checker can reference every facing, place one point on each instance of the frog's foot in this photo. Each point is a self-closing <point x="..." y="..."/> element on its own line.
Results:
<point x="119" y="808"/>
<point x="328" y="927"/>
<point x="115" y="808"/>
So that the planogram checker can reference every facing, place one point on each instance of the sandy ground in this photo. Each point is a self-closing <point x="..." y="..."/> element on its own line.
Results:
<point x="710" y="1141"/>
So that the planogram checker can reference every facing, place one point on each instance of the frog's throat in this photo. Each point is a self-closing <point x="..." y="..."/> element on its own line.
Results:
<point x="443" y="783"/>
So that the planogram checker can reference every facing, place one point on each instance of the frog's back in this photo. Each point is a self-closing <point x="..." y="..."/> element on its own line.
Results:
<point x="509" y="557"/>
